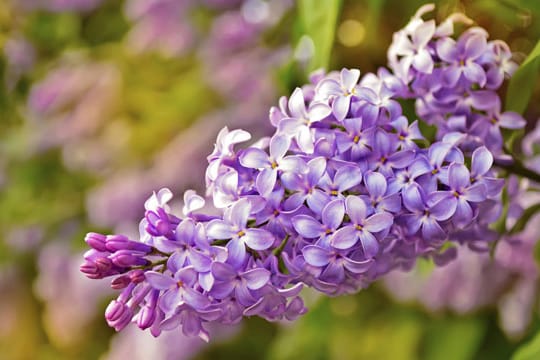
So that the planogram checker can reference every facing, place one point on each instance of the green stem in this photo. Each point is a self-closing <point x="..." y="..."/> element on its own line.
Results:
<point x="281" y="246"/>
<point x="517" y="168"/>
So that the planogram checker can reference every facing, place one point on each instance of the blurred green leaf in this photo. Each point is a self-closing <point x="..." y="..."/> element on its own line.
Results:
<point x="523" y="82"/>
<point x="319" y="19"/>
<point x="529" y="351"/>
<point x="454" y="339"/>
<point x="524" y="219"/>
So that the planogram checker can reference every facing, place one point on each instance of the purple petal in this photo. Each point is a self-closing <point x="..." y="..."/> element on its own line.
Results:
<point x="297" y="105"/>
<point x="349" y="78"/>
<point x="266" y="181"/>
<point x="356" y="209"/>
<point x="256" y="278"/>
<point x="316" y="256"/>
<point x="378" y="222"/>
<point x="375" y="184"/>
<point x="451" y="75"/>
<point x="221" y="290"/>
<point x="223" y="272"/>
<point x="357" y="267"/>
<point x="423" y="33"/>
<point x="443" y="209"/>
<point x="195" y="298"/>
<point x="334" y="273"/>
<point x="317" y="168"/>
<point x="446" y="49"/>
<point x="344" y="238"/>
<point x="318" y="111"/>
<point x="254" y="158"/>
<point x="346" y="177"/>
<point x="431" y="230"/>
<point x="476" y="193"/>
<point x="482" y="160"/>
<point x="243" y="295"/>
<point x="317" y="200"/>
<point x="332" y="214"/>
<point x="258" y="239"/>
<point x="159" y="281"/>
<point x="279" y="145"/>
<point x="485" y="100"/>
<point x="475" y="46"/>
<point x="307" y="226"/>
<point x="239" y="213"/>
<point x="458" y="176"/>
<point x="423" y="62"/>
<point x="191" y="324"/>
<point x="402" y="159"/>
<point x="219" y="229"/>
<point x="390" y="203"/>
<point x="170" y="300"/>
<point x="206" y="280"/>
<point x="511" y="120"/>
<point x="412" y="222"/>
<point x="412" y="199"/>
<point x="200" y="261"/>
<point x="340" y="107"/>
<point x="475" y="74"/>
<point x="464" y="213"/>
<point x="237" y="252"/>
<point x="177" y="261"/>
<point x="369" y="244"/>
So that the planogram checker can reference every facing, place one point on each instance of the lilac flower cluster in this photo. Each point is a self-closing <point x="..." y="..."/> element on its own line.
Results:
<point x="454" y="80"/>
<point x="345" y="190"/>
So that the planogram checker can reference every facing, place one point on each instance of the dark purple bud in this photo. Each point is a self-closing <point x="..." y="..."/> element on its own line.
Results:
<point x="121" y="242"/>
<point x="120" y="282"/>
<point x="146" y="318"/>
<point x="159" y="223"/>
<point x="90" y="269"/>
<point x="128" y="258"/>
<point x="137" y="276"/>
<point x="118" y="315"/>
<point x="96" y="241"/>
<point x="148" y="313"/>
<point x="114" y="310"/>
<point x="103" y="264"/>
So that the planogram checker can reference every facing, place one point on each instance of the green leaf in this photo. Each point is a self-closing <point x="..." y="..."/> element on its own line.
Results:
<point x="319" y="19"/>
<point x="524" y="219"/>
<point x="454" y="338"/>
<point x="529" y="351"/>
<point x="523" y="81"/>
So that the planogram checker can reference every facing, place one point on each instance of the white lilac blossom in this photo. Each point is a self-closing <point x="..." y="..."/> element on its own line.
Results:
<point x="345" y="190"/>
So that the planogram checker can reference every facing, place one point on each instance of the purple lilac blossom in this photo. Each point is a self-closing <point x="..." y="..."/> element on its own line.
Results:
<point x="20" y="56"/>
<point x="66" y="313"/>
<point x="160" y="25"/>
<point x="58" y="5"/>
<point x="197" y="268"/>
<point x="454" y="78"/>
<point x="347" y="214"/>
<point x="71" y="103"/>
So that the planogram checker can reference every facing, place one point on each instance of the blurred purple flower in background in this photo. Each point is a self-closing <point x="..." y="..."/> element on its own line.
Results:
<point x="72" y="103"/>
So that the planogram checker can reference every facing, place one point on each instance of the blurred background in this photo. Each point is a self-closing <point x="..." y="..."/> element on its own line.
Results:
<point x="104" y="101"/>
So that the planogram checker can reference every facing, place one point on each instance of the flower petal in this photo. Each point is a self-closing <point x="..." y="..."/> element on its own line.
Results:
<point x="344" y="238"/>
<point x="254" y="158"/>
<point x="316" y="256"/>
<point x="378" y="222"/>
<point x="258" y="239"/>
<point x="256" y="278"/>
<point x="159" y="281"/>
<point x="307" y="226"/>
